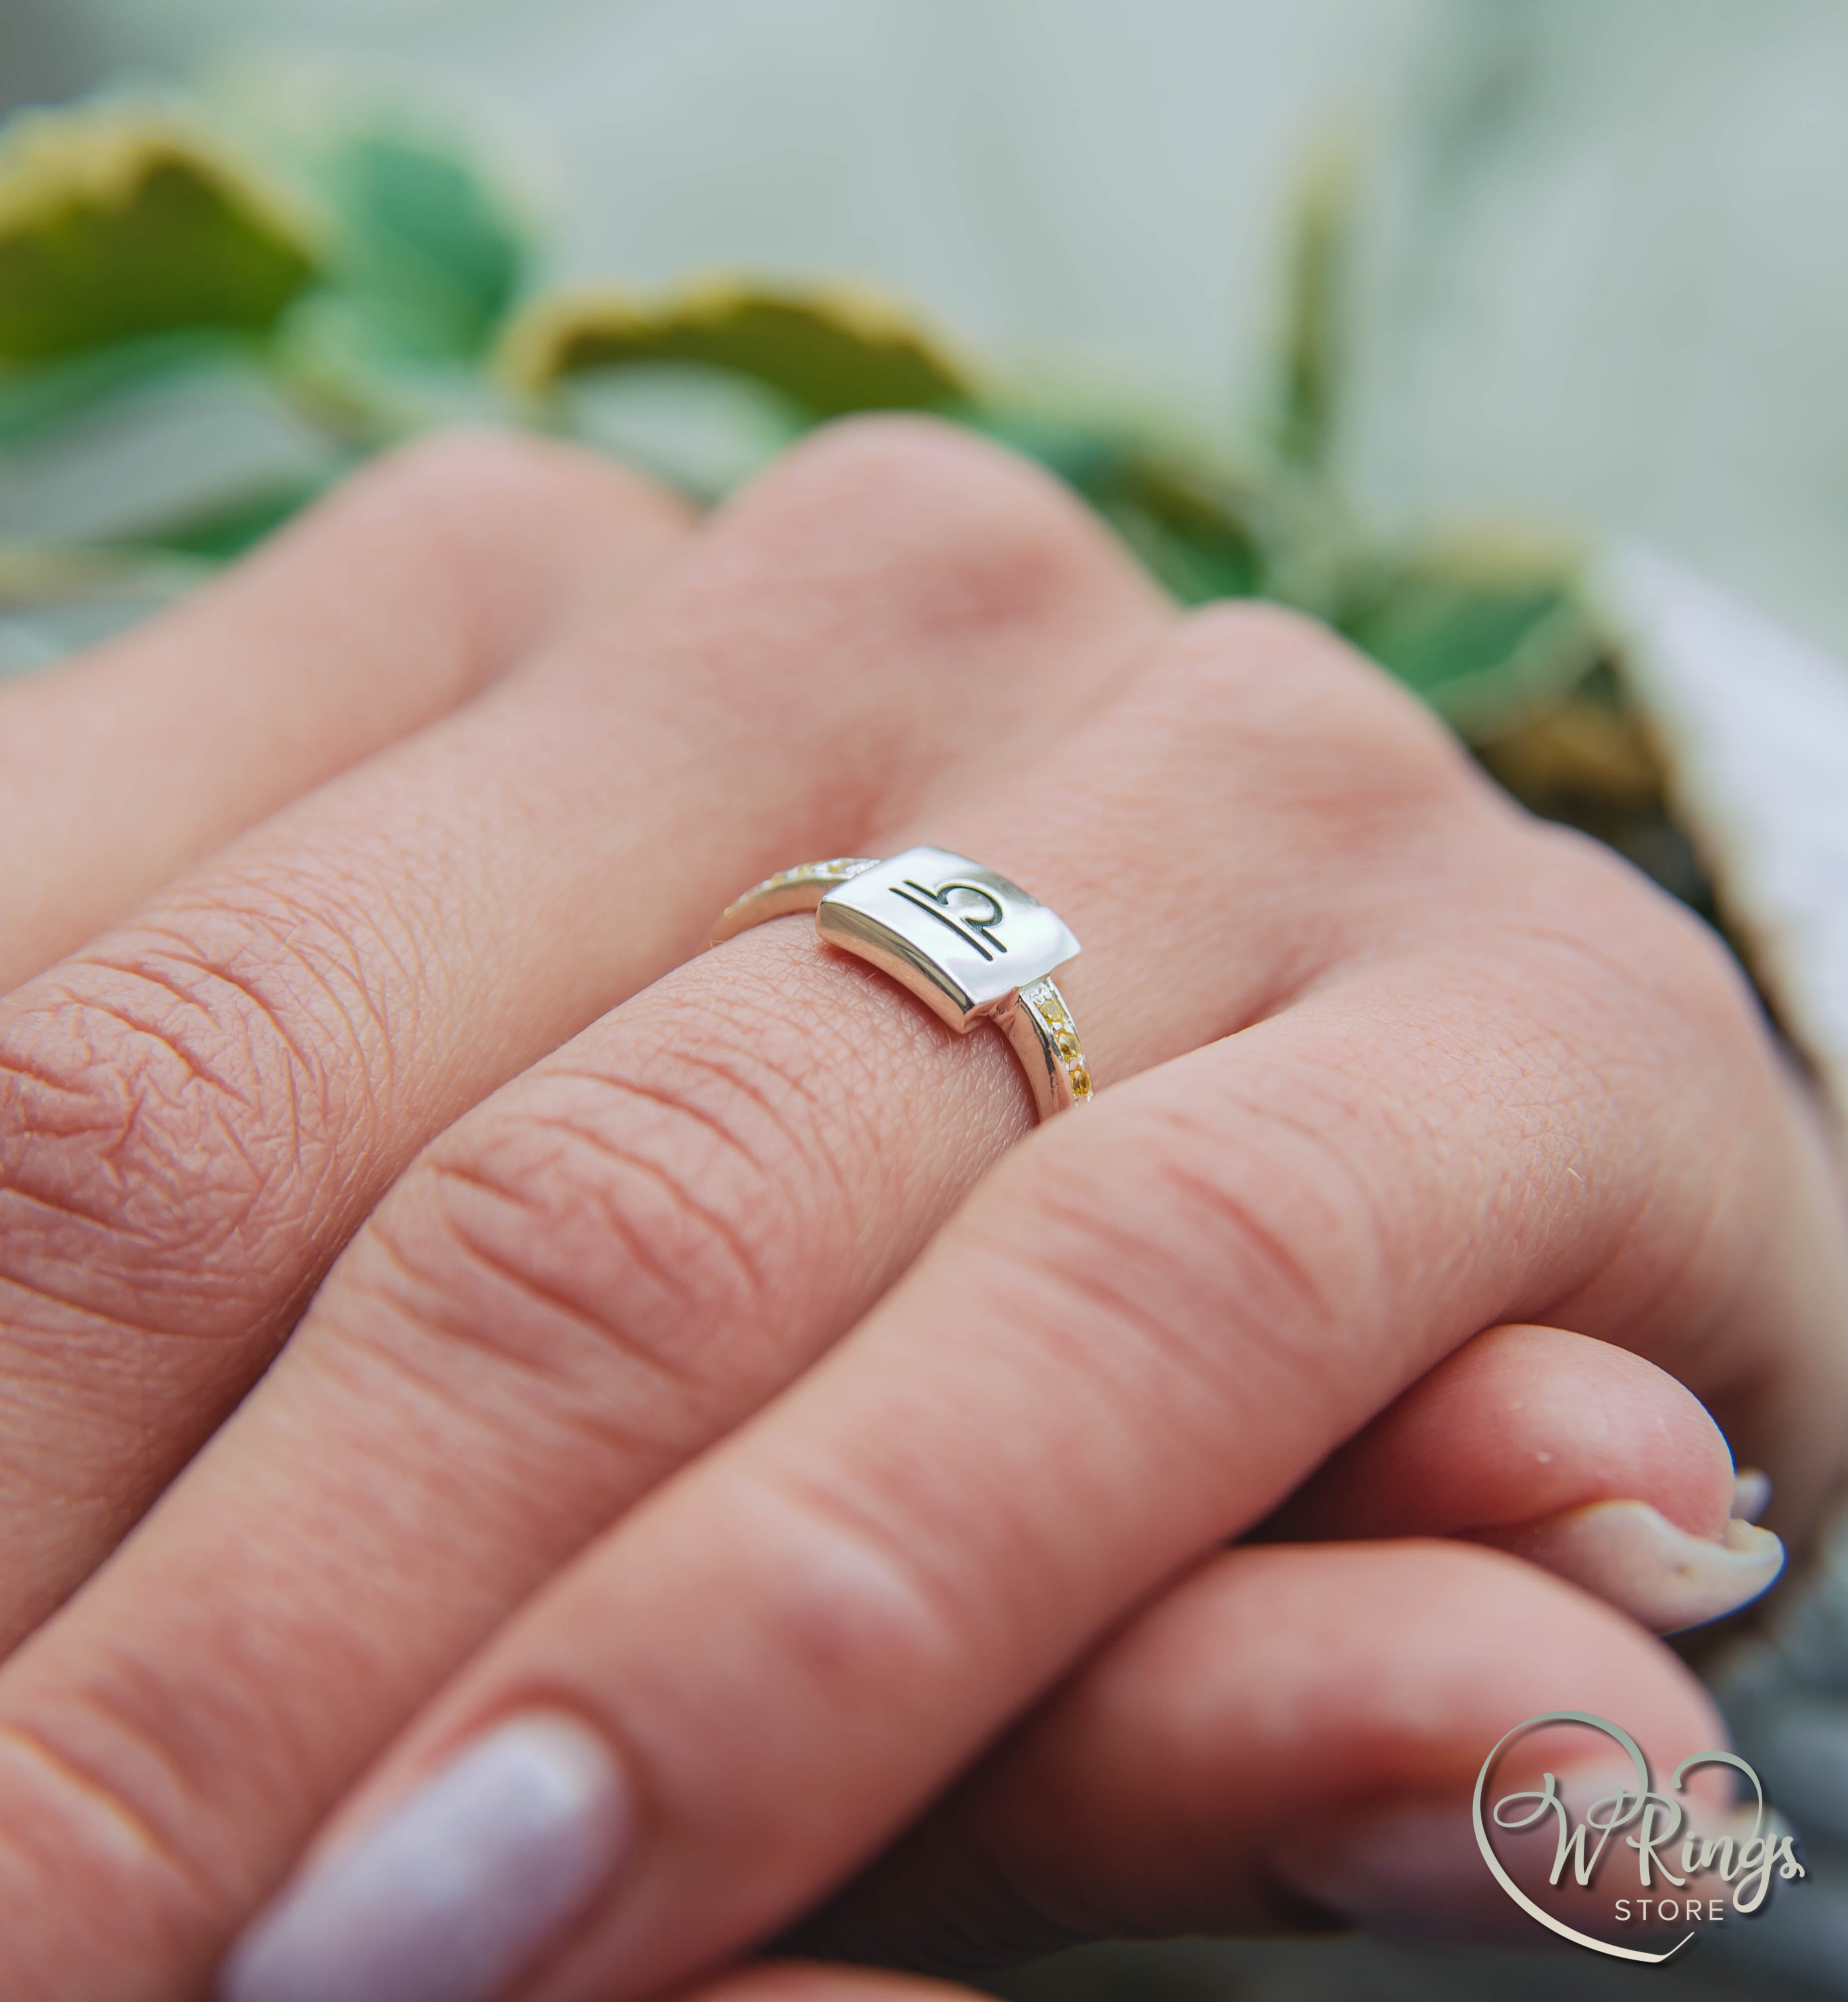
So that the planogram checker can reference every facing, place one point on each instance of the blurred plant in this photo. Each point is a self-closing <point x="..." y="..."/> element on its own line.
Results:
<point x="339" y="291"/>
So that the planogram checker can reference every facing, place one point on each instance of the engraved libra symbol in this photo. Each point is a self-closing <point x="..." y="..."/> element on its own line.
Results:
<point x="978" y="932"/>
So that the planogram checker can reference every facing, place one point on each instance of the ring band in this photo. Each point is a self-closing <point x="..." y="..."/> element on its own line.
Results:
<point x="972" y="946"/>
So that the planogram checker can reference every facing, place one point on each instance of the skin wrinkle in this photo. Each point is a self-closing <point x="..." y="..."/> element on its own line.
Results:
<point x="827" y="1634"/>
<point x="209" y="1277"/>
<point x="142" y="971"/>
<point x="70" y="1780"/>
<point x="919" y="1509"/>
<point x="608" y="1082"/>
<point x="808" y="1149"/>
<point x="74" y="1212"/>
<point x="440" y="1387"/>
<point x="105" y="1709"/>
<point x="65" y="1308"/>
<point x="607" y="1328"/>
<point x="123" y="1706"/>
<point x="282" y="927"/>
<point x="710" y="1224"/>
<point x="1234" y="1346"/>
<point x="231" y="1219"/>
<point x="77" y="1011"/>
<point x="681" y="1103"/>
<point x="153" y="1032"/>
<point x="435" y="1312"/>
<point x="302" y="919"/>
<point x="672" y="1102"/>
<point x="56" y="1339"/>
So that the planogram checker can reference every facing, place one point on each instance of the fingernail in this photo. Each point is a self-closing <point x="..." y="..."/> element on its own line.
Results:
<point x="1751" y="1494"/>
<point x="1632" y="1555"/>
<point x="452" y="1895"/>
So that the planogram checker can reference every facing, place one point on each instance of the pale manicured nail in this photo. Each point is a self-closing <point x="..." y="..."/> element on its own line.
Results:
<point x="1751" y="1494"/>
<point x="457" y="1890"/>
<point x="1632" y="1555"/>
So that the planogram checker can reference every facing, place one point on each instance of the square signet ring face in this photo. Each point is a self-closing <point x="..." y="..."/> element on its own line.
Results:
<point x="963" y="939"/>
<point x="969" y="944"/>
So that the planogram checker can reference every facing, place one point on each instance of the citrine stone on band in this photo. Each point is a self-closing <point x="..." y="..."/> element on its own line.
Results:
<point x="972" y="946"/>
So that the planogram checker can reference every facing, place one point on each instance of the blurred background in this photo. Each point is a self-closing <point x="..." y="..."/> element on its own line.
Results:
<point x="1601" y="244"/>
<point x="1594" y="280"/>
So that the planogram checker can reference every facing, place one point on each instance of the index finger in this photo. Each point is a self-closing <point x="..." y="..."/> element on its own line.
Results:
<point x="410" y="588"/>
<point x="1142" y="1331"/>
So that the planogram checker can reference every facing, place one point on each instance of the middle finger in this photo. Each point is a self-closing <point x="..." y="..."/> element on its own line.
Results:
<point x="197" y="1111"/>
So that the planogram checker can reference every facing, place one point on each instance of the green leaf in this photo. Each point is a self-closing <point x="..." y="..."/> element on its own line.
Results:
<point x="57" y="603"/>
<point x="228" y="529"/>
<point x="115" y="224"/>
<point x="1490" y="637"/>
<point x="1191" y="531"/>
<point x="34" y="401"/>
<point x="830" y="349"/>
<point x="425" y="249"/>
<point x="1193" y="526"/>
<point x="703" y="431"/>
<point x="179" y="446"/>
<point x="1316" y="330"/>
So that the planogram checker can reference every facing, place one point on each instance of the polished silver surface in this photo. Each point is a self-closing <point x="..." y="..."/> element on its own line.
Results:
<point x="970" y="945"/>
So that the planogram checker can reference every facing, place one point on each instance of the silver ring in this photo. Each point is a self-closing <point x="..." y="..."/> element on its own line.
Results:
<point x="972" y="946"/>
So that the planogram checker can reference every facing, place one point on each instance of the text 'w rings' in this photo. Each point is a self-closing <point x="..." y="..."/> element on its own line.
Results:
<point x="970" y="945"/>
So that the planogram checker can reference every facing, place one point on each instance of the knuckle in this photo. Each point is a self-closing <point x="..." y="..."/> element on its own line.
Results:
<point x="592" y="1218"/>
<point x="1290" y="684"/>
<point x="1254" y="705"/>
<point x="1247" y="1271"/>
<point x="864" y="1594"/>
<point x="968" y="534"/>
<point x="1648" y="954"/>
<point x="471" y="484"/>
<point x="168" y="1100"/>
<point x="488" y="529"/>
<point x="77" y="1843"/>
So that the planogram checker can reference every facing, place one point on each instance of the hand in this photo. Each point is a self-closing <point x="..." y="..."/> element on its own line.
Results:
<point x="1056" y="1410"/>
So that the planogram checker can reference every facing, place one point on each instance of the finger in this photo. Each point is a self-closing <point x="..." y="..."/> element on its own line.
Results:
<point x="1573" y="1454"/>
<point x="601" y="1269"/>
<point x="1130" y="1342"/>
<point x="196" y="1111"/>
<point x="1287" y="1740"/>
<point x="416" y="585"/>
